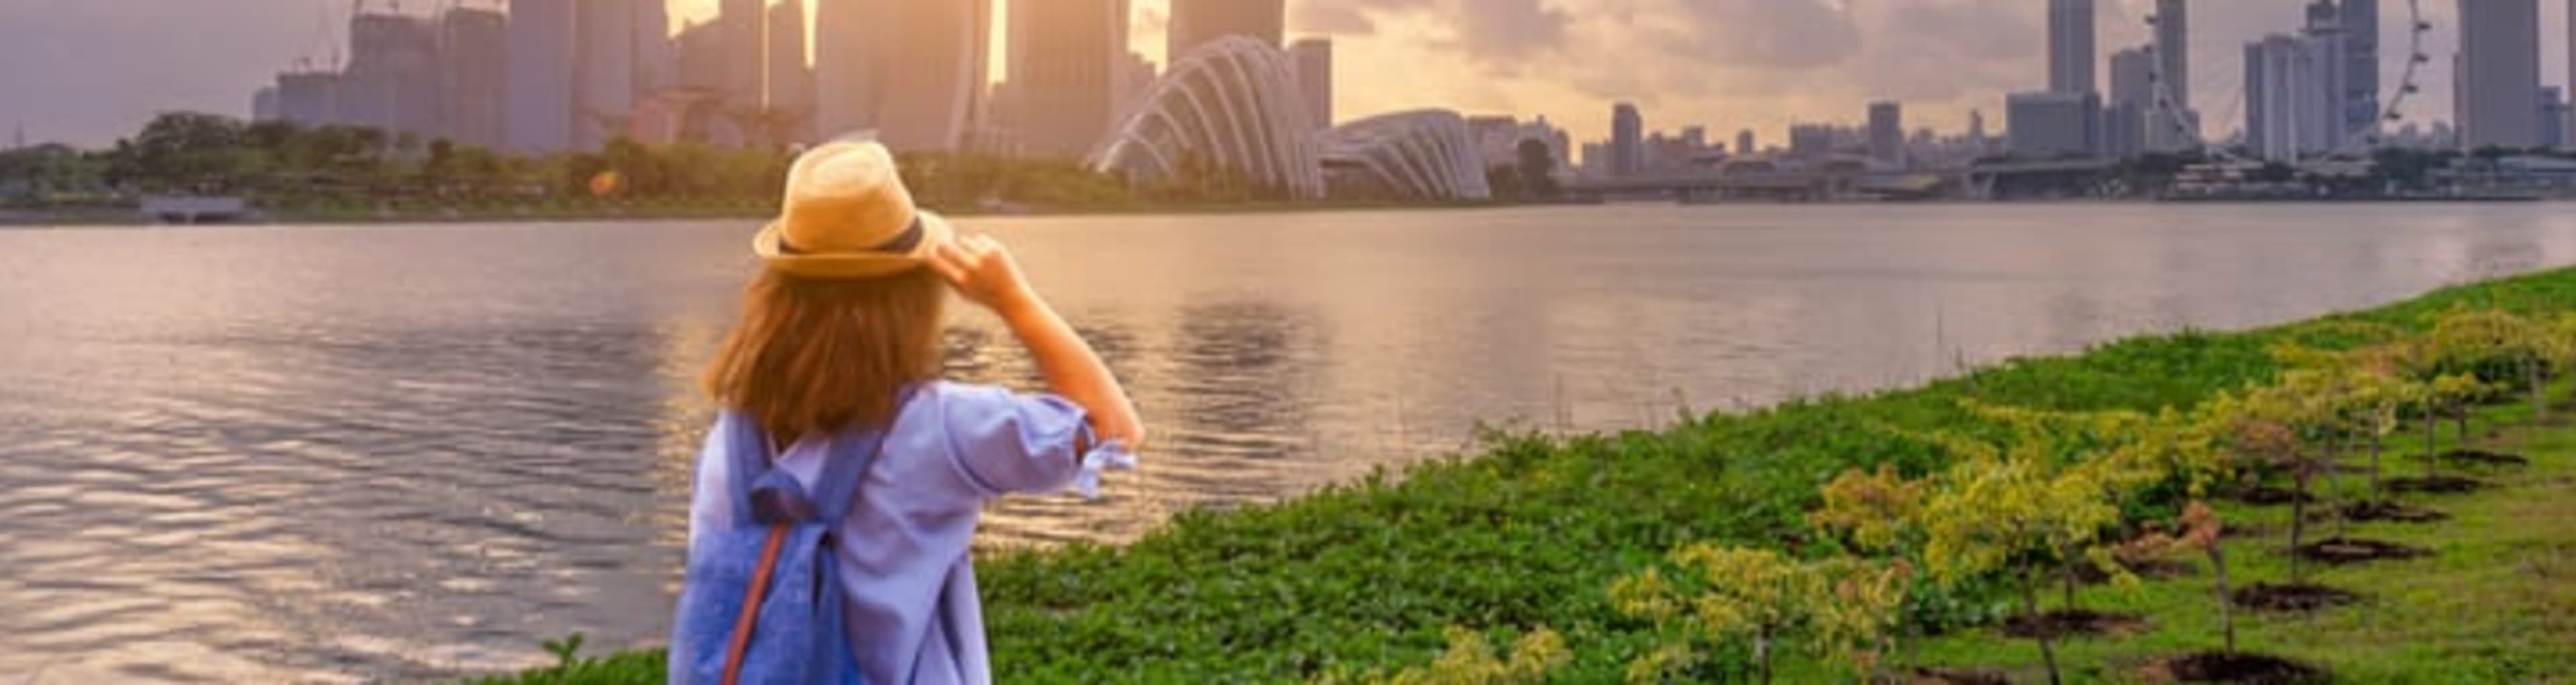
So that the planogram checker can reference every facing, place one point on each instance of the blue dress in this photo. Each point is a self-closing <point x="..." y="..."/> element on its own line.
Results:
<point x="907" y="577"/>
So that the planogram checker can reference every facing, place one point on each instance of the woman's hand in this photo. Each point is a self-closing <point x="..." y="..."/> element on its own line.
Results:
<point x="983" y="271"/>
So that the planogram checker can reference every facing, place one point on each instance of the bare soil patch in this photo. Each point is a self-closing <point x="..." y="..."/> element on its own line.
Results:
<point x="2289" y="597"/>
<point x="2239" y="667"/>
<point x="2384" y="511"/>
<point x="2484" y="458"/>
<point x="2435" y="485"/>
<point x="2340" y="551"/>
<point x="2076" y="623"/>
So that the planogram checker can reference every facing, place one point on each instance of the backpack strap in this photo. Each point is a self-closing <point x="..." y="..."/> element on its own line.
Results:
<point x="752" y="597"/>
<point x="838" y="485"/>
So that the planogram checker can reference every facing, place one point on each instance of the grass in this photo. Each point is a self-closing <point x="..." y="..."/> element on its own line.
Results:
<point x="2495" y="602"/>
<point x="1368" y="576"/>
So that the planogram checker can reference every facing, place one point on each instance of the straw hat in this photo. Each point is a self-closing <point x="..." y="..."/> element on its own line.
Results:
<point x="848" y="216"/>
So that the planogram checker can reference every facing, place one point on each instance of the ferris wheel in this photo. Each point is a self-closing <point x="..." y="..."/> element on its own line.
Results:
<point x="2181" y="123"/>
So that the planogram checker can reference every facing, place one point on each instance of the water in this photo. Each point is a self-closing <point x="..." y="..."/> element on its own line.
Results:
<point x="329" y="454"/>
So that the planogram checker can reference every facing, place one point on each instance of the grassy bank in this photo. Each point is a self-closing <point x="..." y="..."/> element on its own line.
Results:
<point x="1530" y="533"/>
<point x="2492" y="601"/>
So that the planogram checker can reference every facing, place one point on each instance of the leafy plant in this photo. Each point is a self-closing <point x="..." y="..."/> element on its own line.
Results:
<point x="2012" y="513"/>
<point x="1470" y="660"/>
<point x="1840" y="609"/>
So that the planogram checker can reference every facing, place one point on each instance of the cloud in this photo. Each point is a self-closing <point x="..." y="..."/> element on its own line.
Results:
<point x="1339" y="19"/>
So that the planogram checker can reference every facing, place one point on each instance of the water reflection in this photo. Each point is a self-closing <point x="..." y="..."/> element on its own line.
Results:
<point x="342" y="454"/>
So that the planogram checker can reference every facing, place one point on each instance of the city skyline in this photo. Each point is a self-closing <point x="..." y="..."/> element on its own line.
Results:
<point x="1691" y="64"/>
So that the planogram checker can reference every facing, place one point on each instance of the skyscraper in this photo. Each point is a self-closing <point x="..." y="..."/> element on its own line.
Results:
<point x="1066" y="60"/>
<point x="788" y="84"/>
<point x="1198" y="21"/>
<point x="2360" y="100"/>
<point x="1627" y="140"/>
<point x="2070" y="46"/>
<point x="2553" y="117"/>
<point x="605" y="87"/>
<point x="391" y="83"/>
<point x="2499" y="66"/>
<point x="1314" y="60"/>
<point x="913" y="72"/>
<point x="474" y="45"/>
<point x="657" y="57"/>
<point x="744" y="25"/>
<point x="1887" y="132"/>
<point x="1744" y="143"/>
<point x="2053" y="124"/>
<point x="2171" y="123"/>
<point x="2133" y="95"/>
<point x="540" y="81"/>
<point x="2287" y="110"/>
<point x="2329" y="68"/>
<point x="309" y="98"/>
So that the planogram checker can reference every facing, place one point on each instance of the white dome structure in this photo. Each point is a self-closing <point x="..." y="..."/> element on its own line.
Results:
<point x="1424" y="154"/>
<point x="1232" y="103"/>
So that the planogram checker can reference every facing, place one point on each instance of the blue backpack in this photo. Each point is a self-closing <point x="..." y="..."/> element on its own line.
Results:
<point x="762" y="601"/>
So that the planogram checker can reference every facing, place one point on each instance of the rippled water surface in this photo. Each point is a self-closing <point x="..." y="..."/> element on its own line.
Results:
<point x="329" y="454"/>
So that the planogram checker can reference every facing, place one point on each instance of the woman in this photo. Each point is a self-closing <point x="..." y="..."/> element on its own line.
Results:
<point x="840" y="341"/>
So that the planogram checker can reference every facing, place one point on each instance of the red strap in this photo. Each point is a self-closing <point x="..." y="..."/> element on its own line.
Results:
<point x="751" y="604"/>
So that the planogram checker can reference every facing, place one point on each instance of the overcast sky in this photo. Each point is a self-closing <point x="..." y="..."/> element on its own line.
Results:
<point x="88" y="71"/>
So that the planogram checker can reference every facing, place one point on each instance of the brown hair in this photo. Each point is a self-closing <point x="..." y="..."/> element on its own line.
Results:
<point x="814" y="355"/>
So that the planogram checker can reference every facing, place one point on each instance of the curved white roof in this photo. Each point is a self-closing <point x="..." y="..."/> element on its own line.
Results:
<point x="1232" y="103"/>
<point x="1423" y="154"/>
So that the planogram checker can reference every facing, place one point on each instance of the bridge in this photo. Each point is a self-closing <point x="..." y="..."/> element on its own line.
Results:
<point x="1845" y="180"/>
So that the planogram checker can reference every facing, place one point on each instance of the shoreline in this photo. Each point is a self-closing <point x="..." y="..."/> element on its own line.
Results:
<point x="1527" y="532"/>
<point x="126" y="217"/>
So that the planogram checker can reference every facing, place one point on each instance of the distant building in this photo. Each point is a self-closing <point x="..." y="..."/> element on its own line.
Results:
<point x="2553" y="118"/>
<point x="2288" y="110"/>
<point x="1134" y="77"/>
<point x="1499" y="138"/>
<point x="309" y="98"/>
<point x="2499" y="70"/>
<point x="2053" y="124"/>
<point x="264" y="105"/>
<point x="605" y="87"/>
<point x="391" y="82"/>
<point x="474" y="46"/>
<point x="913" y="72"/>
<point x="1416" y="155"/>
<point x="1196" y="22"/>
<point x="2172" y="125"/>
<point x="1627" y="140"/>
<point x="1314" y="60"/>
<point x="1238" y="97"/>
<point x="787" y="96"/>
<point x="742" y="29"/>
<point x="1887" y="133"/>
<point x="2071" y="59"/>
<point x="657" y="58"/>
<point x="1811" y="141"/>
<point x="2327" y="65"/>
<point x="1068" y="63"/>
<point x="539" y="107"/>
<point x="2359" y="78"/>
<point x="2133" y="96"/>
<point x="1744" y="143"/>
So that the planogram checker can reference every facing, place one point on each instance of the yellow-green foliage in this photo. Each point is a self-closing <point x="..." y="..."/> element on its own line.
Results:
<point x="1998" y="508"/>
<point x="1471" y="660"/>
<point x="1838" y="609"/>
<point x="1878" y="509"/>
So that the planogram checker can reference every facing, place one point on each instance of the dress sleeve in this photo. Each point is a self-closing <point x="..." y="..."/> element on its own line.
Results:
<point x="1011" y="443"/>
